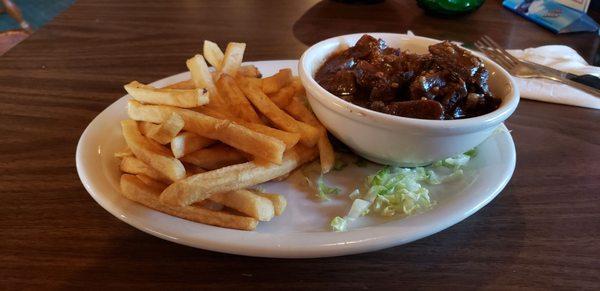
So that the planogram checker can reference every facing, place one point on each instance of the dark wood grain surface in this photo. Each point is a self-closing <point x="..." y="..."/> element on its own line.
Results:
<point x="542" y="232"/>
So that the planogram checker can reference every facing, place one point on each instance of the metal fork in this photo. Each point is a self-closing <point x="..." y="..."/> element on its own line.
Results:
<point x="521" y="69"/>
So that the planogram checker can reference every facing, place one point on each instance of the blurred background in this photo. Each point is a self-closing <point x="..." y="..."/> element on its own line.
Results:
<point x="20" y="18"/>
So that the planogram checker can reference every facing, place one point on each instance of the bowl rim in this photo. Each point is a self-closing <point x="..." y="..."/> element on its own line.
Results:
<point x="353" y="111"/>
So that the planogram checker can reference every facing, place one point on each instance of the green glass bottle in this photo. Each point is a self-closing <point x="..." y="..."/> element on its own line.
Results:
<point x="450" y="7"/>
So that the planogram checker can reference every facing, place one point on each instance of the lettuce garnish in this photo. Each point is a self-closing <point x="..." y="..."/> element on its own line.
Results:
<point x="400" y="191"/>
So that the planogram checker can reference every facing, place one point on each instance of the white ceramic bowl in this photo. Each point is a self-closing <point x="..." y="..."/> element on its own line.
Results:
<point x="389" y="139"/>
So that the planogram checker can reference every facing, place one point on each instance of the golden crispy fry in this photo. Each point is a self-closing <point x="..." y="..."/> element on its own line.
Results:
<point x="308" y="134"/>
<point x="238" y="104"/>
<point x="199" y="187"/>
<point x="234" y="53"/>
<point x="249" y="71"/>
<point x="237" y="136"/>
<point x="200" y="73"/>
<point x="326" y="153"/>
<point x="134" y="165"/>
<point x="244" y="201"/>
<point x="247" y="203"/>
<point x="290" y="139"/>
<point x="166" y="131"/>
<point x="202" y="78"/>
<point x="298" y="110"/>
<point x="274" y="83"/>
<point x="146" y="128"/>
<point x="151" y="182"/>
<point x="327" y="156"/>
<point x="215" y="157"/>
<point x="283" y="97"/>
<point x="297" y="84"/>
<point x="185" y="84"/>
<point x="278" y="200"/>
<point x="174" y="97"/>
<point x="187" y="142"/>
<point x="136" y="190"/>
<point x="213" y="54"/>
<point x="126" y="152"/>
<point x="151" y="153"/>
<point x="193" y="169"/>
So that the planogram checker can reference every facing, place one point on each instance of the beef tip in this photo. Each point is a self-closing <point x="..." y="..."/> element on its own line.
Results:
<point x="442" y="86"/>
<point x="478" y="83"/>
<point x="451" y="57"/>
<point x="366" y="46"/>
<point x="424" y="109"/>
<point x="367" y="74"/>
<point x="428" y="85"/>
<point x="341" y="84"/>
<point x="447" y="83"/>
<point x="455" y="90"/>
<point x="336" y="62"/>
<point x="378" y="80"/>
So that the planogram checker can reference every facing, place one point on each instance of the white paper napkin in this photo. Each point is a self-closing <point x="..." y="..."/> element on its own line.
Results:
<point x="562" y="58"/>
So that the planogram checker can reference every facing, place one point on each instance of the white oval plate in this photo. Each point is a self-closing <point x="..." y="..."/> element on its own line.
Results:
<point x="303" y="230"/>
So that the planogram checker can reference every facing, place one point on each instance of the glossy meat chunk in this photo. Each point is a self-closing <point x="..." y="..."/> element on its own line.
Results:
<point x="448" y="83"/>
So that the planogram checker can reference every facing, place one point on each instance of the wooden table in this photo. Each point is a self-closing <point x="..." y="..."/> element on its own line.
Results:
<point x="542" y="232"/>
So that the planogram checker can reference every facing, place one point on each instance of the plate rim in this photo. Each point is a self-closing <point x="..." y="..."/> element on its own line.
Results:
<point x="345" y="242"/>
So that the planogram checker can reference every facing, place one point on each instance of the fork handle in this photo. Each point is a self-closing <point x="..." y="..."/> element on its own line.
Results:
<point x="589" y="80"/>
<point x="590" y="90"/>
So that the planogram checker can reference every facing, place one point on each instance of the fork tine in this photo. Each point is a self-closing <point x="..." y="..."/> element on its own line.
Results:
<point x="504" y="54"/>
<point x="514" y="59"/>
<point x="494" y="56"/>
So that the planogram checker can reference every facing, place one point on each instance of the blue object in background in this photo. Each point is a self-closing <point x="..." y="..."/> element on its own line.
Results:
<point x="552" y="15"/>
<point x="35" y="12"/>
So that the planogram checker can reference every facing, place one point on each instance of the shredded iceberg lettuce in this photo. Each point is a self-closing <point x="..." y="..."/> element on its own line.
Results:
<point x="401" y="191"/>
<point x="325" y="192"/>
<point x="338" y="224"/>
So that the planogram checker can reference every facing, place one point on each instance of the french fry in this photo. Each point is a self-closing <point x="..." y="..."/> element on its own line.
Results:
<point x="160" y="96"/>
<point x="187" y="142"/>
<point x="308" y="134"/>
<point x="147" y="127"/>
<point x="278" y="200"/>
<point x="136" y="190"/>
<point x="238" y="104"/>
<point x="199" y="187"/>
<point x="247" y="203"/>
<point x="203" y="79"/>
<point x="193" y="169"/>
<point x="133" y="165"/>
<point x="126" y="152"/>
<point x="297" y="84"/>
<point x="283" y="97"/>
<point x="166" y="131"/>
<point x="151" y="153"/>
<point x="290" y="139"/>
<point x="213" y="54"/>
<point x="244" y="201"/>
<point x="274" y="83"/>
<point x="215" y="157"/>
<point x="200" y="73"/>
<point x="249" y="71"/>
<point x="234" y="53"/>
<point x="326" y="154"/>
<point x="185" y="84"/>
<point x="237" y="136"/>
<point x="151" y="182"/>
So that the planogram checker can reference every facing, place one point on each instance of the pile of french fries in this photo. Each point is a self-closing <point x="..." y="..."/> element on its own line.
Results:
<point x="197" y="148"/>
